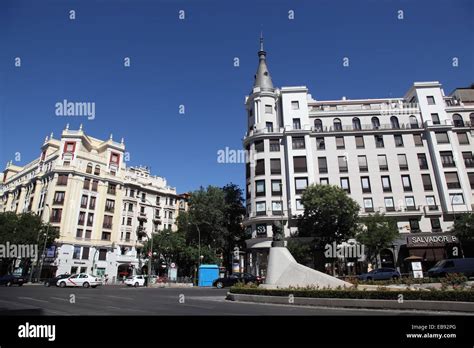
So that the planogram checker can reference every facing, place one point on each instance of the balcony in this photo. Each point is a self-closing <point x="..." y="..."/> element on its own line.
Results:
<point x="142" y="217"/>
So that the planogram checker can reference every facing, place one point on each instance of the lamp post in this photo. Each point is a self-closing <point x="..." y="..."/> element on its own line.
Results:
<point x="45" y="240"/>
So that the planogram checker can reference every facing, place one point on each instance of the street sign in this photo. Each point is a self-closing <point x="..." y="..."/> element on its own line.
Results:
<point x="173" y="265"/>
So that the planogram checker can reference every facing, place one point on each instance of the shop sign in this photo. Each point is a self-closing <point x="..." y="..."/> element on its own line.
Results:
<point x="430" y="240"/>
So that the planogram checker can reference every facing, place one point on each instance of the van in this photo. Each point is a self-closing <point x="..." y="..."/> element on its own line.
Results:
<point x="443" y="267"/>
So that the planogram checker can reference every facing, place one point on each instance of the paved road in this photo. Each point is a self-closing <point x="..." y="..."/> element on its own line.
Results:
<point x="120" y="300"/>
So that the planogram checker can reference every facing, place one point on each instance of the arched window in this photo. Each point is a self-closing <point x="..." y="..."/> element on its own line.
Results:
<point x="337" y="124"/>
<point x="356" y="123"/>
<point x="458" y="121"/>
<point x="97" y="170"/>
<point x="318" y="125"/>
<point x="413" y="122"/>
<point x="394" y="122"/>
<point x="375" y="123"/>
<point x="89" y="168"/>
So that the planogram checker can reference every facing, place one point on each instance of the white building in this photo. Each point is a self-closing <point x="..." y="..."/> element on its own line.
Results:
<point x="409" y="157"/>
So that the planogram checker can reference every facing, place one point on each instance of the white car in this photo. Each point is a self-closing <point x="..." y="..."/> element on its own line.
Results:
<point x="83" y="279"/>
<point x="136" y="280"/>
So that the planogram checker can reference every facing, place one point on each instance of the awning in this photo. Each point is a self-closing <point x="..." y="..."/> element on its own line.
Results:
<point x="428" y="254"/>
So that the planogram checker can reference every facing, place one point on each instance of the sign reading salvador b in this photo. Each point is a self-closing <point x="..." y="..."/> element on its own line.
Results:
<point x="430" y="240"/>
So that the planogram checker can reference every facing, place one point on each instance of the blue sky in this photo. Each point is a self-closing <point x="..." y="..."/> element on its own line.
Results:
<point x="190" y="62"/>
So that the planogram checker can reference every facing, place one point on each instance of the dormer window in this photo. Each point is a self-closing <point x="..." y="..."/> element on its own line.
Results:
<point x="114" y="158"/>
<point x="69" y="147"/>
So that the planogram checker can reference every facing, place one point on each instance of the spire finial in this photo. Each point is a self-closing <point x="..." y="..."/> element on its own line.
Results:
<point x="51" y="136"/>
<point x="111" y="136"/>
<point x="67" y="126"/>
<point x="261" y="41"/>
<point x="122" y="141"/>
<point x="80" y="127"/>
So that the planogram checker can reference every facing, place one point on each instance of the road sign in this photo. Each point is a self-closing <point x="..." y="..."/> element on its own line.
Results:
<point x="173" y="265"/>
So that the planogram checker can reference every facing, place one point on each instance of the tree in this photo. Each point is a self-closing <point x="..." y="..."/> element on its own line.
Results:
<point x="378" y="233"/>
<point x="301" y="251"/>
<point x="330" y="215"/>
<point x="463" y="229"/>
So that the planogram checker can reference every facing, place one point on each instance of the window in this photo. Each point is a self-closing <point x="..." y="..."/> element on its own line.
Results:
<point x="277" y="208"/>
<point x="337" y="124"/>
<point x="442" y="137"/>
<point x="79" y="233"/>
<point x="89" y="168"/>
<point x="62" y="179"/>
<point x="318" y="125"/>
<point x="394" y="122"/>
<point x="276" y="188"/>
<point x="261" y="208"/>
<point x="82" y="218"/>
<point x="97" y="170"/>
<point x="130" y="207"/>
<point x="260" y="167"/>
<point x="274" y="145"/>
<point x="95" y="183"/>
<point x="268" y="109"/>
<point x="386" y="184"/>
<point x="69" y="147"/>
<point x="299" y="205"/>
<point x="345" y="185"/>
<point x="340" y="143"/>
<point x="406" y="183"/>
<point x="368" y="205"/>
<point x="87" y="184"/>
<point x="85" y="253"/>
<point x="389" y="205"/>
<point x="260" y="188"/>
<point x="410" y="203"/>
<point x="88" y="234"/>
<point x="426" y="179"/>
<point x="431" y="203"/>
<point x="402" y="162"/>
<point x="362" y="163"/>
<point x="414" y="225"/>
<point x="259" y="146"/>
<point x="365" y="182"/>
<point x="92" y="203"/>
<point x="375" y="123"/>
<point x="299" y="164"/>
<point x="298" y="143"/>
<point x="379" y="141"/>
<point x="110" y="205"/>
<point x="468" y="159"/>
<point x="296" y="123"/>
<point x="106" y="235"/>
<point x="458" y="121"/>
<point x="430" y="100"/>
<point x="275" y="166"/>
<point x="58" y="197"/>
<point x="84" y="200"/>
<point x="129" y="221"/>
<point x="435" y="119"/>
<point x="295" y="105"/>
<point x="322" y="165"/>
<point x="102" y="254"/>
<point x="342" y="161"/>
<point x="383" y="165"/>
<point x="456" y="198"/>
<point x="417" y="139"/>
<point x="111" y="189"/>
<point x="356" y="123"/>
<point x="56" y="215"/>
<point x="77" y="252"/>
<point x="435" y="225"/>
<point x="107" y="221"/>
<point x="359" y="142"/>
<point x="269" y="126"/>
<point x="324" y="181"/>
<point x="320" y="145"/>
<point x="422" y="161"/>
<point x="463" y="138"/>
<point x="447" y="159"/>
<point x="398" y="140"/>
<point x="300" y="184"/>
<point x="471" y="179"/>
<point x="452" y="180"/>
<point x="413" y="122"/>
<point x="90" y="219"/>
<point x="114" y="158"/>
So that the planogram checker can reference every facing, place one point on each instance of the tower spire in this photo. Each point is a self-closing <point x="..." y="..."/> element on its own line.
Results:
<point x="261" y="41"/>
<point x="262" y="77"/>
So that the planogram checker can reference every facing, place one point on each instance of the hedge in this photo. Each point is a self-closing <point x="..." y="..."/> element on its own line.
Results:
<point x="432" y="295"/>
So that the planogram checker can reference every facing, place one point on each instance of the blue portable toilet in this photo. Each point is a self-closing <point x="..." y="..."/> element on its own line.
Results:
<point x="207" y="274"/>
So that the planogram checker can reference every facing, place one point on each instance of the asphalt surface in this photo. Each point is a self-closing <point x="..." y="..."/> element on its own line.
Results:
<point x="122" y="300"/>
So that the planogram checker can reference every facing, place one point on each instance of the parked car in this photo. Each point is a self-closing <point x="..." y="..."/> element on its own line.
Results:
<point x="443" y="267"/>
<point x="234" y="278"/>
<point x="136" y="281"/>
<point x="380" y="274"/>
<point x="9" y="280"/>
<point x="54" y="281"/>
<point x="83" y="279"/>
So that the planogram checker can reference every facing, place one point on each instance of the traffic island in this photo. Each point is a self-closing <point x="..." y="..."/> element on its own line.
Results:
<point x="432" y="300"/>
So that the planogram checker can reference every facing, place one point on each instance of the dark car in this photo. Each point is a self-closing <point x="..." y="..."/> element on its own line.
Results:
<point x="53" y="281"/>
<point x="380" y="274"/>
<point x="235" y="278"/>
<point x="9" y="280"/>
<point x="444" y="267"/>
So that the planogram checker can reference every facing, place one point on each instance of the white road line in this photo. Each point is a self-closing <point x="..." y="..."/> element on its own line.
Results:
<point x="114" y="307"/>
<point x="59" y="298"/>
<point x="120" y="297"/>
<point x="31" y="299"/>
<point x="18" y="304"/>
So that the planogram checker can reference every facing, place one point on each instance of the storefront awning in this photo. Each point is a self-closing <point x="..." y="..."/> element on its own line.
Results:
<point x="428" y="254"/>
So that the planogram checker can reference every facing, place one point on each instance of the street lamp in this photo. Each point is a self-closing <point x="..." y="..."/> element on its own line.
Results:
<point x="45" y="240"/>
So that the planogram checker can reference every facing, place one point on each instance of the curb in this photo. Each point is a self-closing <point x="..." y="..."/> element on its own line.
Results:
<point x="450" y="306"/>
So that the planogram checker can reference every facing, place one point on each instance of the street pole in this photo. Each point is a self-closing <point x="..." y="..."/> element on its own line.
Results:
<point x="45" y="240"/>
<point x="150" y="255"/>
<point x="199" y="252"/>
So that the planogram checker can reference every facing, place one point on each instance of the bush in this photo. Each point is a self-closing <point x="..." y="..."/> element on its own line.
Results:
<point x="456" y="280"/>
<point x="439" y="295"/>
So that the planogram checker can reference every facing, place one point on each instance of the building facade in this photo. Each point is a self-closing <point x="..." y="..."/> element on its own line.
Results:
<point x="409" y="157"/>
<point x="83" y="187"/>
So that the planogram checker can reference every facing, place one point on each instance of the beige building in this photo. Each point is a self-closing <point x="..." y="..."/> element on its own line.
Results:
<point x="83" y="186"/>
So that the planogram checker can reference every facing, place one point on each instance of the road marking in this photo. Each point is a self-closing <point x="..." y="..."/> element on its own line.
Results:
<point x="114" y="307"/>
<point x="59" y="298"/>
<point x="17" y="304"/>
<point x="31" y="299"/>
<point x="120" y="297"/>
